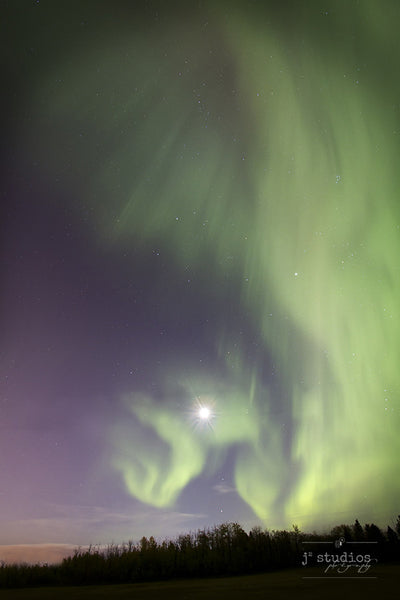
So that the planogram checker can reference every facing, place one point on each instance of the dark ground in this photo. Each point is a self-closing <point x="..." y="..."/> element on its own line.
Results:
<point x="382" y="582"/>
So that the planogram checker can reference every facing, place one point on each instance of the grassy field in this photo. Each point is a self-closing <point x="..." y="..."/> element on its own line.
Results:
<point x="275" y="586"/>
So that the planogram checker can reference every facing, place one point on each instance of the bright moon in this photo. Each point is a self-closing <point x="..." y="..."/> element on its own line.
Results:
<point x="204" y="413"/>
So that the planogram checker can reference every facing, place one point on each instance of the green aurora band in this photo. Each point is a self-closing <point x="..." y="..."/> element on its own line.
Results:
<point x="276" y="155"/>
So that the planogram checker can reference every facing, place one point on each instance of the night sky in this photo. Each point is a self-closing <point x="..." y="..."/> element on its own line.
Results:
<point x="200" y="276"/>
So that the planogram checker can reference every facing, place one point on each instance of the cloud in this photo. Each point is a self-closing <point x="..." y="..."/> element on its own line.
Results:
<point x="223" y="488"/>
<point x="38" y="539"/>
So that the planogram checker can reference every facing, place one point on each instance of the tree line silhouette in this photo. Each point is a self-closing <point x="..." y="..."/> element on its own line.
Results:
<point x="223" y="550"/>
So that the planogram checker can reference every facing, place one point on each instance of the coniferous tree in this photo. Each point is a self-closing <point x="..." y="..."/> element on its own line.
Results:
<point x="342" y="531"/>
<point x="373" y="533"/>
<point x="358" y="532"/>
<point x="391" y="536"/>
<point x="397" y="526"/>
<point x="392" y="546"/>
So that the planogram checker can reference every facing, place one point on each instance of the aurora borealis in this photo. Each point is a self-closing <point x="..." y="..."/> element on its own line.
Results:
<point x="201" y="210"/>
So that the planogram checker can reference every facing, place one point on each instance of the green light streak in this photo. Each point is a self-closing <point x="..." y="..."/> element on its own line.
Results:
<point x="159" y="449"/>
<point x="156" y="472"/>
<point x="333" y="269"/>
<point x="295" y="176"/>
